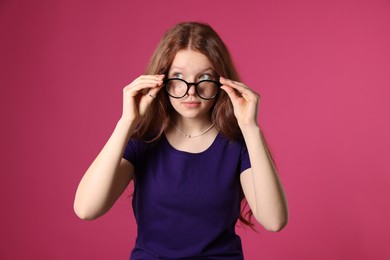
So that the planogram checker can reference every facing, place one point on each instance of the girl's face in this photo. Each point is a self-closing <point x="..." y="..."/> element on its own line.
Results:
<point x="192" y="66"/>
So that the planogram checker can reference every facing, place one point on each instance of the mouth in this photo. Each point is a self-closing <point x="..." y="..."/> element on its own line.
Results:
<point x="191" y="104"/>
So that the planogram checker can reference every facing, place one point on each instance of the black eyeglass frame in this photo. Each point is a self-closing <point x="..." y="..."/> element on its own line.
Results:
<point x="196" y="84"/>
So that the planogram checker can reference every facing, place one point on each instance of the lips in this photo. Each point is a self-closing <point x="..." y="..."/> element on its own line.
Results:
<point x="191" y="104"/>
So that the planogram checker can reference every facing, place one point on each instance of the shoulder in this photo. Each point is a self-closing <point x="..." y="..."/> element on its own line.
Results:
<point x="135" y="149"/>
<point x="232" y="143"/>
<point x="229" y="147"/>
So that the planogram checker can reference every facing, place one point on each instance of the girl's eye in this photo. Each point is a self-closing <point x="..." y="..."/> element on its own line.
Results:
<point x="205" y="77"/>
<point x="177" y="75"/>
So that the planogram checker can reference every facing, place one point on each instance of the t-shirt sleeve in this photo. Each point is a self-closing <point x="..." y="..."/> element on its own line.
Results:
<point x="130" y="153"/>
<point x="245" y="162"/>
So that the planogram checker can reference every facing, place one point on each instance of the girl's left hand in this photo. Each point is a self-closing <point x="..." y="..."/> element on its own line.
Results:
<point x="245" y="101"/>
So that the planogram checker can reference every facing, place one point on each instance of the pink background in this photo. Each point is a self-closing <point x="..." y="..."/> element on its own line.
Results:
<point x="322" y="68"/>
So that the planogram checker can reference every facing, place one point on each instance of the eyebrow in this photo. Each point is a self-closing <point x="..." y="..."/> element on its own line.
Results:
<point x="209" y="69"/>
<point x="201" y="71"/>
<point x="175" y="68"/>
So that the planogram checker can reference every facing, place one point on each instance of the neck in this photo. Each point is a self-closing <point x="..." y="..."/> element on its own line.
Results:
<point x="189" y="124"/>
<point x="193" y="128"/>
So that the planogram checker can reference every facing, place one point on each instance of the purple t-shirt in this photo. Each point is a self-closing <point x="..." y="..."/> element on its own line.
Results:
<point x="187" y="204"/>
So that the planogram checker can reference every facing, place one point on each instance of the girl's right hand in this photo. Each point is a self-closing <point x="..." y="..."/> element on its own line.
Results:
<point x="138" y="95"/>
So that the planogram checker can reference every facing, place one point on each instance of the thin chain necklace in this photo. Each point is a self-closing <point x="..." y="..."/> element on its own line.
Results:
<point x="193" y="136"/>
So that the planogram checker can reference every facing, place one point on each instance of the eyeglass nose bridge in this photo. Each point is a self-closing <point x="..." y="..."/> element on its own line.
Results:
<point x="189" y="84"/>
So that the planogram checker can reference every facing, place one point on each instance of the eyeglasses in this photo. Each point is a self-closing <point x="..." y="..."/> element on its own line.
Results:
<point x="205" y="89"/>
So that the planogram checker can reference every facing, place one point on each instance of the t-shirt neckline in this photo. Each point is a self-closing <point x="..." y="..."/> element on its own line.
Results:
<point x="207" y="151"/>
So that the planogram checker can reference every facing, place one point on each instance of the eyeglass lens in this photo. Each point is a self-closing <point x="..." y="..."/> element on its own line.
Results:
<point x="205" y="89"/>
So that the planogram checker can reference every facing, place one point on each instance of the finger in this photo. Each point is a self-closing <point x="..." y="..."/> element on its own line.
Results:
<point x="231" y="92"/>
<point x="241" y="88"/>
<point x="147" y="79"/>
<point x="154" y="89"/>
<point x="231" y="82"/>
<point x="147" y="99"/>
<point x="234" y="84"/>
<point x="139" y="89"/>
<point x="144" y="83"/>
<point x="153" y="92"/>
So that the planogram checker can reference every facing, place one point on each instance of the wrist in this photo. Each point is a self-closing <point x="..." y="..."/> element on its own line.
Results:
<point x="248" y="125"/>
<point x="249" y="129"/>
<point x="126" y="125"/>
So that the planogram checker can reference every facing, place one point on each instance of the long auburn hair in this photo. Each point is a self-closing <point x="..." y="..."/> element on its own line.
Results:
<point x="202" y="38"/>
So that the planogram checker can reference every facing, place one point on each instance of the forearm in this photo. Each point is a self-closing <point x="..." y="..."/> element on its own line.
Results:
<point x="270" y="206"/>
<point x="103" y="182"/>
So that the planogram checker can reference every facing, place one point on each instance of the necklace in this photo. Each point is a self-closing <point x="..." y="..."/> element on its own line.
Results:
<point x="193" y="136"/>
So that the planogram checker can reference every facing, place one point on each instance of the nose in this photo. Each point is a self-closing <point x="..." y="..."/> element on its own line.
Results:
<point x="191" y="91"/>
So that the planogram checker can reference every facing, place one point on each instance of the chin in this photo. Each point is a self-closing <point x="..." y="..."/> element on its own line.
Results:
<point x="191" y="114"/>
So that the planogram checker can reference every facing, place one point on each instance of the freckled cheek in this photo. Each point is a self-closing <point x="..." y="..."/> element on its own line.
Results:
<point x="174" y="102"/>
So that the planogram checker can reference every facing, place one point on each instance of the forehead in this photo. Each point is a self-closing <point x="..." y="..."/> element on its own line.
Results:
<point x="190" y="61"/>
